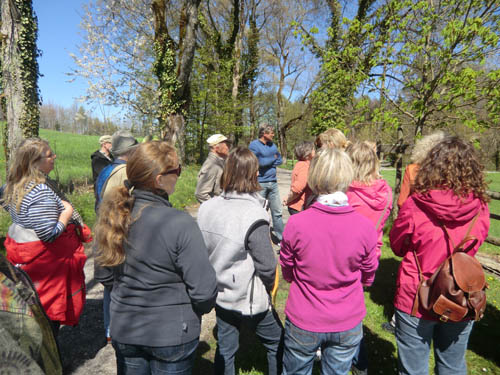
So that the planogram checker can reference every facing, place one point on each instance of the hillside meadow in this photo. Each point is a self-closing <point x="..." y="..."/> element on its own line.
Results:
<point x="73" y="168"/>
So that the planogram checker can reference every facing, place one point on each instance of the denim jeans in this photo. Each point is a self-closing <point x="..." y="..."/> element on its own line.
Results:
<point x="268" y="328"/>
<point x="270" y="191"/>
<point x="360" y="359"/>
<point x="106" y="300"/>
<point x="414" y="336"/>
<point x="337" y="350"/>
<point x="143" y="360"/>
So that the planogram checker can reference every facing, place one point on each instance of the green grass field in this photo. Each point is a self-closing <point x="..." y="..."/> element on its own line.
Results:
<point x="73" y="165"/>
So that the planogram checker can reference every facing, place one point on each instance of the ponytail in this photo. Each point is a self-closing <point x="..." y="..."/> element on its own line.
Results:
<point x="112" y="226"/>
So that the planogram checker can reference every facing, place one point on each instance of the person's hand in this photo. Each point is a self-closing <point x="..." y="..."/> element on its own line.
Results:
<point x="285" y="202"/>
<point x="65" y="215"/>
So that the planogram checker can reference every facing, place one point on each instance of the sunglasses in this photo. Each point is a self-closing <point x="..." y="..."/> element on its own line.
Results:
<point x="176" y="171"/>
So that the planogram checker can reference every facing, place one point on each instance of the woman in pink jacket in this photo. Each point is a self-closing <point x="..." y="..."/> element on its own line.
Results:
<point x="450" y="190"/>
<point x="328" y="253"/>
<point x="371" y="196"/>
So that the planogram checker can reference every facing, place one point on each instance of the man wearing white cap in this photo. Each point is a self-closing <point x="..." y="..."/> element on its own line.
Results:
<point x="209" y="176"/>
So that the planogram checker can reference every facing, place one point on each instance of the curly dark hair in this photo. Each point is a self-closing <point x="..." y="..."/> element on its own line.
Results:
<point x="452" y="164"/>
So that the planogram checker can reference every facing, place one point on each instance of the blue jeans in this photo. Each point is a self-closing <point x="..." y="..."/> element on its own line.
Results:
<point x="106" y="300"/>
<point x="414" y="336"/>
<point x="145" y="360"/>
<point x="337" y="350"/>
<point x="271" y="192"/>
<point x="267" y="327"/>
<point x="360" y="360"/>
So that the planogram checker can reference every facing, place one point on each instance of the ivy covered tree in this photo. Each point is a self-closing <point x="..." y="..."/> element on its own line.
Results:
<point x="19" y="72"/>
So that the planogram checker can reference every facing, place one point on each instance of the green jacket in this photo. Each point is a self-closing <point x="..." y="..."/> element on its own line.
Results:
<point x="27" y="345"/>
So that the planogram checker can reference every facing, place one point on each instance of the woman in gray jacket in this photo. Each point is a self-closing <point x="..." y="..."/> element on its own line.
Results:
<point x="235" y="226"/>
<point x="163" y="281"/>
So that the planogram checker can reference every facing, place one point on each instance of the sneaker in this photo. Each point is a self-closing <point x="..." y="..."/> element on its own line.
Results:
<point x="387" y="326"/>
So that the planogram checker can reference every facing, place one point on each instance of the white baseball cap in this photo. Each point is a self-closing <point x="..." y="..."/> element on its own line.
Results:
<point x="216" y="139"/>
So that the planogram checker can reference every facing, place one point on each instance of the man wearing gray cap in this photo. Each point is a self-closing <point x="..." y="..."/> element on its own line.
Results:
<point x="209" y="176"/>
<point x="101" y="158"/>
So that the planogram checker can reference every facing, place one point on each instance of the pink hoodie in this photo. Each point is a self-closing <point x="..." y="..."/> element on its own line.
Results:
<point x="417" y="228"/>
<point x="374" y="202"/>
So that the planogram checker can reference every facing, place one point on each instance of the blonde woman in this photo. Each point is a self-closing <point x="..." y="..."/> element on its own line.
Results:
<point x="332" y="138"/>
<point x="371" y="196"/>
<point x="45" y="238"/>
<point x="163" y="281"/>
<point x="328" y="253"/>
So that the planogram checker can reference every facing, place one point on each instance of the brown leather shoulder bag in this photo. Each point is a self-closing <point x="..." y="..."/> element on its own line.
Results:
<point x="456" y="290"/>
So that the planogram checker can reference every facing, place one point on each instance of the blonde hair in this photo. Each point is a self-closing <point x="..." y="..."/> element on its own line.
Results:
<point x="364" y="161"/>
<point x="24" y="173"/>
<point x="149" y="160"/>
<point x="424" y="145"/>
<point x="332" y="138"/>
<point x="330" y="171"/>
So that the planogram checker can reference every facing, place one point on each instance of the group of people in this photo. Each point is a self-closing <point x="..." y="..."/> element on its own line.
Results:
<point x="163" y="270"/>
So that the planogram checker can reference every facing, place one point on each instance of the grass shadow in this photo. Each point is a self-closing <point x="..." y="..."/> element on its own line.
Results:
<point x="383" y="289"/>
<point x="82" y="342"/>
<point x="380" y="353"/>
<point x="485" y="335"/>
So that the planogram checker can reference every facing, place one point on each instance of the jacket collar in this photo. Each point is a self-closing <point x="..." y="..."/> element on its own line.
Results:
<point x="150" y="197"/>
<point x="253" y="197"/>
<point x="332" y="210"/>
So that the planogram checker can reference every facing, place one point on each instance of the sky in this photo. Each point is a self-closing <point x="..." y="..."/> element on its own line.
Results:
<point x="58" y="35"/>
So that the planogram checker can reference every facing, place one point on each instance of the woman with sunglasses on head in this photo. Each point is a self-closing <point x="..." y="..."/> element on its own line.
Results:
<point x="45" y="239"/>
<point x="163" y="281"/>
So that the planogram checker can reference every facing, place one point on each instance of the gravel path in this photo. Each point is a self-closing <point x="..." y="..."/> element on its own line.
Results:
<point x="83" y="348"/>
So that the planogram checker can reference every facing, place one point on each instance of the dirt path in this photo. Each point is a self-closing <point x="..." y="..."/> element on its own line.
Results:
<point x="83" y="348"/>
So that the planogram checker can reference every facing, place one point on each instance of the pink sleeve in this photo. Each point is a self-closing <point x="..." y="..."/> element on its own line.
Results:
<point x="402" y="230"/>
<point x="286" y="255"/>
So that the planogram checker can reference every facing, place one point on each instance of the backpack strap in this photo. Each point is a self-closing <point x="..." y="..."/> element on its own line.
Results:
<point x="383" y="213"/>
<point x="466" y="238"/>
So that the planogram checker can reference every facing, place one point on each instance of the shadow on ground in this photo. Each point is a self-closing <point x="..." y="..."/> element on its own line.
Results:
<point x="485" y="335"/>
<point x="83" y="342"/>
<point x="382" y="290"/>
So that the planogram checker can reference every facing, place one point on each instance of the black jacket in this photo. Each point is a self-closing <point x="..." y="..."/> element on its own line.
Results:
<point x="99" y="162"/>
<point x="166" y="281"/>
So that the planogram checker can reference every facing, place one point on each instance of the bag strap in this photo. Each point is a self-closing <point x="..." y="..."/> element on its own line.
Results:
<point x="383" y="213"/>
<point x="466" y="238"/>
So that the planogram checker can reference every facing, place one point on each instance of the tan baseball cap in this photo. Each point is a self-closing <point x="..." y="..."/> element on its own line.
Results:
<point x="216" y="139"/>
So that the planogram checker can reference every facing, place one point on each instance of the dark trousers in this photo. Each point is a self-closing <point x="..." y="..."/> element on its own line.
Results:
<point x="268" y="328"/>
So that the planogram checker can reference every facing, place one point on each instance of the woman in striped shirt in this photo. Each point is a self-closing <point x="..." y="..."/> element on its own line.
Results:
<point x="46" y="235"/>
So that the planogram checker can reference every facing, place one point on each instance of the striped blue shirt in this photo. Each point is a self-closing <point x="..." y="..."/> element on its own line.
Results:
<point x="40" y="210"/>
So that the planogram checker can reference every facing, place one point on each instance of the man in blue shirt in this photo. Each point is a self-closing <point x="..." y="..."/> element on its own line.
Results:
<point x="269" y="158"/>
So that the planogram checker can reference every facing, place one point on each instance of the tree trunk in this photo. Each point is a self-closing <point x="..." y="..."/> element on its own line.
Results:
<point x="175" y="133"/>
<point x="238" y="46"/>
<point x="279" y="111"/>
<point x="399" y="165"/>
<point x="19" y="73"/>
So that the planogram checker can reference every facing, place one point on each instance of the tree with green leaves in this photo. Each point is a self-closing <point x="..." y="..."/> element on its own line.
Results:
<point x="20" y="97"/>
